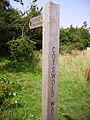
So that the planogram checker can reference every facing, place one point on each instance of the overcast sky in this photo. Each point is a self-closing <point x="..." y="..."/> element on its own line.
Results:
<point x="73" y="12"/>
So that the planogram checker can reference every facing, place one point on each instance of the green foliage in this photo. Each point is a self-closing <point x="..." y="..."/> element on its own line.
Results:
<point x="14" y="24"/>
<point x="35" y="34"/>
<point x="73" y="89"/>
<point x="22" y="49"/>
<point x="8" y="88"/>
<point x="66" y="49"/>
<point x="10" y="25"/>
<point x="12" y="76"/>
<point x="74" y="38"/>
<point x="34" y="10"/>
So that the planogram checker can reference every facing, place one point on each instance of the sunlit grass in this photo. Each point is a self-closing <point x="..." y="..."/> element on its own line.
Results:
<point x="24" y="102"/>
<point x="74" y="95"/>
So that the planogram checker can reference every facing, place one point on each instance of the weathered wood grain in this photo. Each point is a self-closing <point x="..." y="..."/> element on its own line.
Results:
<point x="50" y="61"/>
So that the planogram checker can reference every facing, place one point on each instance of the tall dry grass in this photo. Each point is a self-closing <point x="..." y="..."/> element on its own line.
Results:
<point x="77" y="63"/>
<point x="73" y="88"/>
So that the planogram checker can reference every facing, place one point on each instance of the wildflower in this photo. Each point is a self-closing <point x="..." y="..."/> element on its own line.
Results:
<point x="1" y="81"/>
<point x="14" y="94"/>
<point x="10" y="93"/>
<point x="15" y="101"/>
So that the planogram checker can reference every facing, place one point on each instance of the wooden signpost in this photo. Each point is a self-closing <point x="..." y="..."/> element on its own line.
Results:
<point x="49" y="20"/>
<point x="35" y="22"/>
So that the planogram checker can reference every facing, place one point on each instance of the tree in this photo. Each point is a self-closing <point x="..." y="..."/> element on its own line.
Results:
<point x="22" y="49"/>
<point x="20" y="1"/>
<point x="10" y="26"/>
<point x="13" y="25"/>
<point x="84" y="24"/>
<point x="74" y="38"/>
<point x="35" y="34"/>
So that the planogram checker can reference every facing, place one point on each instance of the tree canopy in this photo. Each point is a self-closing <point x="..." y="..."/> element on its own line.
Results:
<point x="14" y="26"/>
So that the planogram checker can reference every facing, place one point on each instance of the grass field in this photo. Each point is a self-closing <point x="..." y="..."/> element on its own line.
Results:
<point x="20" y="89"/>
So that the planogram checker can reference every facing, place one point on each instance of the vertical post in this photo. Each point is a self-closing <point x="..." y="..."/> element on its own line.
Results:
<point x="50" y="61"/>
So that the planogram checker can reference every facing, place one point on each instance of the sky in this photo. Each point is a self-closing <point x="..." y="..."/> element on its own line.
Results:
<point x="73" y="12"/>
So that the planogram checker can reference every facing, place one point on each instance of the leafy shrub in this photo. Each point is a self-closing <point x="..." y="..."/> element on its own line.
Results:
<point x="66" y="49"/>
<point x="23" y="50"/>
<point x="74" y="38"/>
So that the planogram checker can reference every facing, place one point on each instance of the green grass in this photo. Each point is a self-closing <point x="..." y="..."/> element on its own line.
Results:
<point x="28" y="94"/>
<point x="25" y="81"/>
<point x="74" y="90"/>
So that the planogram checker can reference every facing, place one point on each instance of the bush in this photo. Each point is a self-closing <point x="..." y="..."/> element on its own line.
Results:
<point x="66" y="49"/>
<point x="23" y="50"/>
